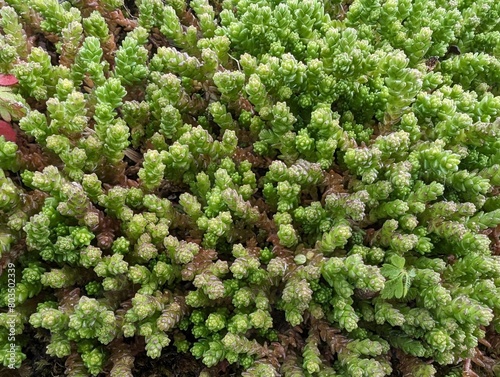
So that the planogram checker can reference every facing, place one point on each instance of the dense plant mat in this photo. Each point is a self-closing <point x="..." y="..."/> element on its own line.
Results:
<point x="255" y="188"/>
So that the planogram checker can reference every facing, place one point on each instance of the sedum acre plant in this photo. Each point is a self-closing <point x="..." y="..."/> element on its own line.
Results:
<point x="277" y="188"/>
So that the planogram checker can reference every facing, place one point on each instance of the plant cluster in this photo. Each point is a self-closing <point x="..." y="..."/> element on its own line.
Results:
<point x="295" y="188"/>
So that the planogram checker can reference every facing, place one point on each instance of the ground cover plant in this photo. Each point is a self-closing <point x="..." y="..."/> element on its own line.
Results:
<point x="257" y="188"/>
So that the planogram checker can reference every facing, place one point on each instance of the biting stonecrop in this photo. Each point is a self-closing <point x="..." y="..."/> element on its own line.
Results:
<point x="296" y="188"/>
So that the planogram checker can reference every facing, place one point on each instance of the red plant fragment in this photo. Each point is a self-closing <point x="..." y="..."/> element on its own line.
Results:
<point x="7" y="80"/>
<point x="7" y="131"/>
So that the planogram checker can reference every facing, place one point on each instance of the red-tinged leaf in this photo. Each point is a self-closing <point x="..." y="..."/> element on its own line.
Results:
<point x="7" y="80"/>
<point x="7" y="131"/>
<point x="17" y="110"/>
<point x="4" y="114"/>
<point x="9" y="110"/>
